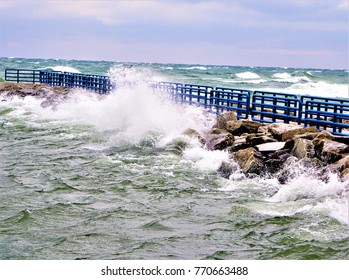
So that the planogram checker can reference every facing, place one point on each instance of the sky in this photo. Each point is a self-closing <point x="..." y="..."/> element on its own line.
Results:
<point x="281" y="33"/>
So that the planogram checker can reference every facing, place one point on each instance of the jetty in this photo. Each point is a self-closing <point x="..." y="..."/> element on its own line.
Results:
<point x="264" y="132"/>
<point x="325" y="113"/>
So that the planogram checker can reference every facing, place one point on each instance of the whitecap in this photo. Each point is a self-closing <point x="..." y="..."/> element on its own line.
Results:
<point x="336" y="208"/>
<point x="282" y="75"/>
<point x="205" y="160"/>
<point x="247" y="75"/>
<point x="195" y="68"/>
<point x="63" y="68"/>
<point x="306" y="187"/>
<point x="320" y="89"/>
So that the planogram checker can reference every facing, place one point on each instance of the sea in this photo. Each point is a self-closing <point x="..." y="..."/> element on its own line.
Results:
<point x="112" y="177"/>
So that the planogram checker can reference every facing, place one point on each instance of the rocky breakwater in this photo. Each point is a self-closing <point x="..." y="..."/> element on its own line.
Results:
<point x="277" y="149"/>
<point x="51" y="95"/>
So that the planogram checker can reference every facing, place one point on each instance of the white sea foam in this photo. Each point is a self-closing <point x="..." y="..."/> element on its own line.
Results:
<point x="320" y="89"/>
<point x="288" y="78"/>
<point x="205" y="160"/>
<point x="133" y="110"/>
<point x="282" y="75"/>
<point x="306" y="194"/>
<point x="306" y="187"/>
<point x="336" y="208"/>
<point x="247" y="75"/>
<point x="63" y="68"/>
<point x="259" y="81"/>
<point x="195" y="68"/>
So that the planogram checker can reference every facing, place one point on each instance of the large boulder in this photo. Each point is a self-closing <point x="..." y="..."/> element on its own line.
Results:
<point x="259" y="139"/>
<point x="343" y="163"/>
<point x="276" y="160"/>
<point x="323" y="135"/>
<point x="284" y="131"/>
<point x="342" y="139"/>
<point x="344" y="175"/>
<point x="293" y="167"/>
<point x="226" y="169"/>
<point x="330" y="151"/>
<point x="250" y="161"/>
<point x="194" y="134"/>
<point x="303" y="148"/>
<point x="240" y="143"/>
<point x="219" y="139"/>
<point x="243" y="126"/>
<point x="339" y="166"/>
<point x="221" y="121"/>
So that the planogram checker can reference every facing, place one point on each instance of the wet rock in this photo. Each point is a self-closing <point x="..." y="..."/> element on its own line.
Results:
<point x="257" y="140"/>
<point x="240" y="143"/>
<point x="303" y="148"/>
<point x="281" y="154"/>
<point x="264" y="129"/>
<point x="284" y="131"/>
<point x="221" y="121"/>
<point x="330" y="151"/>
<point x="273" y="165"/>
<point x="26" y="92"/>
<point x="250" y="161"/>
<point x="38" y="90"/>
<point x="342" y="139"/>
<point x="288" y="170"/>
<point x="194" y="134"/>
<point x="219" y="141"/>
<point x="226" y="169"/>
<point x="292" y="167"/>
<point x="243" y="126"/>
<point x="323" y="135"/>
<point x="276" y="160"/>
<point x="340" y="166"/>
<point x="344" y="175"/>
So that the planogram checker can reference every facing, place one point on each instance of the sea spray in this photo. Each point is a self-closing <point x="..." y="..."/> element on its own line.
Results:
<point x="133" y="109"/>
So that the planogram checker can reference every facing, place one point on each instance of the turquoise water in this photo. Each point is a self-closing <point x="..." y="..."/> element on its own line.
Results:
<point x="114" y="178"/>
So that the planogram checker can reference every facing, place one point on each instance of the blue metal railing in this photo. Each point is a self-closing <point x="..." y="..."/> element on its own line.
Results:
<point x="193" y="95"/>
<point x="22" y="75"/>
<point x="271" y="107"/>
<point x="324" y="113"/>
<point x="97" y="83"/>
<point x="228" y="99"/>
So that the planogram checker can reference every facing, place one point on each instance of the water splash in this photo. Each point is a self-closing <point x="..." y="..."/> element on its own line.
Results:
<point x="133" y="109"/>
<point x="308" y="187"/>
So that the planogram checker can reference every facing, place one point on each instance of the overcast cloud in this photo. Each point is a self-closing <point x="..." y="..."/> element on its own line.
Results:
<point x="297" y="33"/>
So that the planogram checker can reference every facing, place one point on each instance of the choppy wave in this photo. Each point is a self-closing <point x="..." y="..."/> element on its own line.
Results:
<point x="194" y="68"/>
<point x="321" y="88"/>
<point x="248" y="75"/>
<point x="63" y="68"/>
<point x="288" y="78"/>
<point x="118" y="170"/>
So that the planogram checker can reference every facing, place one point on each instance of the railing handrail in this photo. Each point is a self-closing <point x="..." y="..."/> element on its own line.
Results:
<point x="98" y="83"/>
